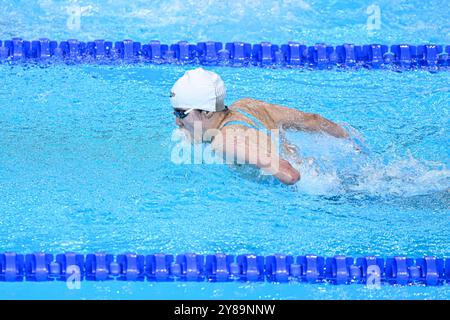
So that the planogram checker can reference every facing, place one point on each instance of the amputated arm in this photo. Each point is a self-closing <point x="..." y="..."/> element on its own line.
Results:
<point x="249" y="146"/>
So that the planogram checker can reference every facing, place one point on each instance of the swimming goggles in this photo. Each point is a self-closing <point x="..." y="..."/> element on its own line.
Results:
<point x="181" y="114"/>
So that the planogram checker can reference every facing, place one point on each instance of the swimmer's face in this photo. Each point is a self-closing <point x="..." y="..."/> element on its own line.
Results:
<point x="183" y="119"/>
<point x="190" y="121"/>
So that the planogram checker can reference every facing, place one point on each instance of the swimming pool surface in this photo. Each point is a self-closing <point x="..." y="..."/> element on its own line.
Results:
<point x="85" y="149"/>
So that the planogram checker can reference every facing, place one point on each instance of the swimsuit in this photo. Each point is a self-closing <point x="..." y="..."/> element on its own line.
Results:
<point x="257" y="124"/>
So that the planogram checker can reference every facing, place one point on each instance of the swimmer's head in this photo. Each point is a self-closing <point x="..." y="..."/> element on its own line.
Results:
<point x="198" y="89"/>
<point x="196" y="96"/>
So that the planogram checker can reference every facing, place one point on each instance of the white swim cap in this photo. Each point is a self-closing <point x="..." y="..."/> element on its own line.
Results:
<point x="198" y="89"/>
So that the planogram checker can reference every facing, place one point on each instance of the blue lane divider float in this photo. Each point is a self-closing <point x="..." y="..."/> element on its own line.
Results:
<point x="223" y="268"/>
<point x="292" y="54"/>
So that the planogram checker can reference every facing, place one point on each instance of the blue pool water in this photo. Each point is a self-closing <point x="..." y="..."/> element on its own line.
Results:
<point x="85" y="150"/>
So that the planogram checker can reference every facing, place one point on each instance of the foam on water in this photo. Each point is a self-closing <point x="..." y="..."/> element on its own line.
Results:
<point x="338" y="166"/>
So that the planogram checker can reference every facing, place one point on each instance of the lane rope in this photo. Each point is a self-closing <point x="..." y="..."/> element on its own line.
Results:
<point x="432" y="57"/>
<point x="399" y="270"/>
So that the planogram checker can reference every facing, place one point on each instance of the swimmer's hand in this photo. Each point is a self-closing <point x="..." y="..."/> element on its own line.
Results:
<point x="338" y="132"/>
<point x="330" y="127"/>
<point x="283" y="171"/>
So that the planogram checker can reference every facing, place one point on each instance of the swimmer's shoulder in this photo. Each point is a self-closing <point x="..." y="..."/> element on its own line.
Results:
<point x="260" y="109"/>
<point x="253" y="106"/>
<point x="251" y="103"/>
<point x="247" y="103"/>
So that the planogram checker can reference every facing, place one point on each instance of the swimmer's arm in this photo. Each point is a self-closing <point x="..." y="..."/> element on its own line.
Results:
<point x="290" y="118"/>
<point x="247" y="151"/>
<point x="294" y="119"/>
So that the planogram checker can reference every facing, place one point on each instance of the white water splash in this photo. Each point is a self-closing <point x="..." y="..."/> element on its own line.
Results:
<point x="335" y="166"/>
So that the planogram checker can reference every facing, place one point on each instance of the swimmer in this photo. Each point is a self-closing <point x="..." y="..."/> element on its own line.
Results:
<point x="246" y="132"/>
